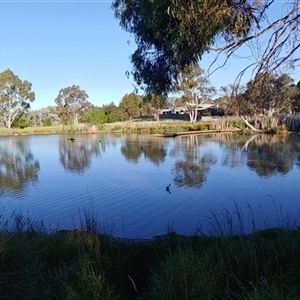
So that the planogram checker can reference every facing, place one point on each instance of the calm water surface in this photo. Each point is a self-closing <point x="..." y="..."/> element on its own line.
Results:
<point x="121" y="181"/>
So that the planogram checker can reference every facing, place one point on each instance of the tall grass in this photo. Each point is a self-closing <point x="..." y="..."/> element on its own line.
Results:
<point x="123" y="127"/>
<point x="87" y="264"/>
<point x="244" y="221"/>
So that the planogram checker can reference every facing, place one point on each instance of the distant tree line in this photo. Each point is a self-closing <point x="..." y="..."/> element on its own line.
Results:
<point x="270" y="95"/>
<point x="72" y="106"/>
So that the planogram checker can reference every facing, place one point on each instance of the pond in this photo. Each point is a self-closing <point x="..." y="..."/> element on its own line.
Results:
<point x="228" y="182"/>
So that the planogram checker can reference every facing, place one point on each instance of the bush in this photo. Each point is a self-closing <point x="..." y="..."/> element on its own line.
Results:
<point x="278" y="130"/>
<point x="47" y="122"/>
<point x="239" y="124"/>
<point x="117" y="128"/>
<point x="96" y="117"/>
<point x="115" y="116"/>
<point x="21" y="121"/>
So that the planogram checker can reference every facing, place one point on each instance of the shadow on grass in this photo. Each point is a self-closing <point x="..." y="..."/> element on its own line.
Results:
<point x="87" y="264"/>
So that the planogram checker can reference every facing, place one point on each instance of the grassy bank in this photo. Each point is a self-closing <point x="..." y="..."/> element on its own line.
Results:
<point x="31" y="130"/>
<point x="213" y="124"/>
<point x="86" y="265"/>
<point x="128" y="127"/>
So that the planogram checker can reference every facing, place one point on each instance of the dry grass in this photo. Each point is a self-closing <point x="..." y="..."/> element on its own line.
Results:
<point x="31" y="130"/>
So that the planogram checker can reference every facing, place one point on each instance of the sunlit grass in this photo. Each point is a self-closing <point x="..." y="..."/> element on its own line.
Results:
<point x="218" y="124"/>
<point x="163" y="126"/>
<point x="31" y="130"/>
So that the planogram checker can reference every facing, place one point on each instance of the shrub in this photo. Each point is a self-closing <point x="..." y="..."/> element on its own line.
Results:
<point x="47" y="122"/>
<point x="117" y="128"/>
<point x="239" y="124"/>
<point x="97" y="117"/>
<point x="278" y="130"/>
<point x="21" y="121"/>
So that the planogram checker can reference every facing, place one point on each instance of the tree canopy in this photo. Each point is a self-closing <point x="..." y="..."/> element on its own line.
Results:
<point x="130" y="106"/>
<point x="15" y="96"/>
<point x="152" y="104"/>
<point x="172" y="34"/>
<point x="270" y="94"/>
<point x="196" y="89"/>
<point x="72" y="103"/>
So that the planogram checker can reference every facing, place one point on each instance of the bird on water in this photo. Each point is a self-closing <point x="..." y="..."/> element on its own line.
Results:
<point x="168" y="188"/>
<point x="71" y="139"/>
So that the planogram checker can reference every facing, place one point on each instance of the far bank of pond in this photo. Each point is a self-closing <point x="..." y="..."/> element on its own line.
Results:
<point x="280" y="123"/>
<point x="165" y="126"/>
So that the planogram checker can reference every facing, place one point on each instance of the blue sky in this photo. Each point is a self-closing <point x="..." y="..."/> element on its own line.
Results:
<point x="55" y="44"/>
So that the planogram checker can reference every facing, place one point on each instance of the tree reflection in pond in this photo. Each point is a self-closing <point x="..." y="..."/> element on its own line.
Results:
<point x="152" y="149"/>
<point x="18" y="168"/>
<point x="270" y="155"/>
<point x="191" y="168"/>
<point x="132" y="151"/>
<point x="265" y="154"/>
<point x="76" y="157"/>
<point x="233" y="146"/>
<point x="123" y="178"/>
<point x="155" y="151"/>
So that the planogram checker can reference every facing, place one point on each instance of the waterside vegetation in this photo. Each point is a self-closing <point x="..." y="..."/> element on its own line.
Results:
<point x="278" y="125"/>
<point x="165" y="126"/>
<point x="84" y="264"/>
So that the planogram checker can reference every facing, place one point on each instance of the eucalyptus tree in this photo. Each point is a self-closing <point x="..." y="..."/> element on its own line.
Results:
<point x="260" y="101"/>
<point x="195" y="88"/>
<point x="172" y="34"/>
<point x="296" y="103"/>
<point x="15" y="96"/>
<point x="108" y="108"/>
<point x="232" y="100"/>
<point x="44" y="117"/>
<point x="271" y="94"/>
<point x="152" y="104"/>
<point x="72" y="103"/>
<point x="130" y="106"/>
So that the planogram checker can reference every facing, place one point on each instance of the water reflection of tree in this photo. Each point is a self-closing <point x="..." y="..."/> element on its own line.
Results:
<point x="232" y="149"/>
<point x="134" y="148"/>
<point x="264" y="154"/>
<point x="18" y="167"/>
<point x="271" y="154"/>
<point x="155" y="151"/>
<point x="193" y="162"/>
<point x="76" y="156"/>
<point x="131" y="150"/>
